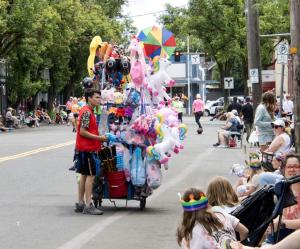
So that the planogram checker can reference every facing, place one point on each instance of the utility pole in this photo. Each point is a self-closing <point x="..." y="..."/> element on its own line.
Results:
<point x="295" y="51"/>
<point x="189" y="76"/>
<point x="253" y="45"/>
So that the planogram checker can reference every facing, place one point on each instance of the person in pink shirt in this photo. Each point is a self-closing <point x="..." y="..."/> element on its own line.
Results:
<point x="198" y="108"/>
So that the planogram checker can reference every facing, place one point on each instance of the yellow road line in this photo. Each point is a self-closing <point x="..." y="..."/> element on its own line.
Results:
<point x="32" y="152"/>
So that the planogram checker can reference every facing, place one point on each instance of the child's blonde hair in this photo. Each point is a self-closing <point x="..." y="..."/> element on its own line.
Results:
<point x="201" y="216"/>
<point x="220" y="192"/>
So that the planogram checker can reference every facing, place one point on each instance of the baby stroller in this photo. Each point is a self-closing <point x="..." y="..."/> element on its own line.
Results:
<point x="258" y="210"/>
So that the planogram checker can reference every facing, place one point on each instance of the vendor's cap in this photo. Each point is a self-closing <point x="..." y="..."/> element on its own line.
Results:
<point x="279" y="122"/>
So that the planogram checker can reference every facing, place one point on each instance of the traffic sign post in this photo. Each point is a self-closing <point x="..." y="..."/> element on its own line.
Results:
<point x="254" y="77"/>
<point x="282" y="58"/>
<point x="282" y="53"/>
<point x="228" y="84"/>
<point x="195" y="58"/>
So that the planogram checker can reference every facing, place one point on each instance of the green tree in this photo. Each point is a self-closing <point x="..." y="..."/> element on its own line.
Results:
<point x="29" y="20"/>
<point x="219" y="27"/>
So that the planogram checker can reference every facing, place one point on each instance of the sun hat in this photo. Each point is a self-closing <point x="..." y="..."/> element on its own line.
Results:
<point x="198" y="96"/>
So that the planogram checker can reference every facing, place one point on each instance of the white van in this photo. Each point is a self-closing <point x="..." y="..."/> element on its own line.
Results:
<point x="213" y="107"/>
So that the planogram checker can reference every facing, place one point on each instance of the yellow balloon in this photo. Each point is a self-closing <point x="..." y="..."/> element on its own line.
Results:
<point x="95" y="44"/>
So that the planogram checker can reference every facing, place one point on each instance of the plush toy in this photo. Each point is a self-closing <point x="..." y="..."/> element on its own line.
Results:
<point x="138" y="64"/>
<point x="182" y="131"/>
<point x="153" y="173"/>
<point x="157" y="81"/>
<point x="164" y="113"/>
<point x="107" y="95"/>
<point x="160" y="151"/>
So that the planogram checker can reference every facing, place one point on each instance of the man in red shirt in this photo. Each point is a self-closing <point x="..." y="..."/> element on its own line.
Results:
<point x="88" y="144"/>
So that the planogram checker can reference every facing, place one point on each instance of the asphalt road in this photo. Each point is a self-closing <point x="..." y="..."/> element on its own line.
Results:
<point x="38" y="193"/>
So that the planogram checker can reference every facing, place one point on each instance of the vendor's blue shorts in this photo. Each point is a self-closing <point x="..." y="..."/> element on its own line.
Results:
<point x="87" y="163"/>
<point x="265" y="139"/>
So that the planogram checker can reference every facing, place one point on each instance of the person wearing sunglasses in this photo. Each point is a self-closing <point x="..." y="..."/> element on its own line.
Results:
<point x="282" y="141"/>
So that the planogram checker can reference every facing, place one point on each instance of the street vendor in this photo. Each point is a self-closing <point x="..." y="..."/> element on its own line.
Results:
<point x="88" y="143"/>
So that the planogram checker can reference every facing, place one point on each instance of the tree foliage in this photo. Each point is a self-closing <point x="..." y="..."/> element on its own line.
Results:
<point x="218" y="27"/>
<point x="53" y="35"/>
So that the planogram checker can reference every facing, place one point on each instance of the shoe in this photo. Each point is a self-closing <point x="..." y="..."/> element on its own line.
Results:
<point x="211" y="119"/>
<point x="92" y="210"/>
<point x="79" y="207"/>
<point x="74" y="130"/>
<point x="216" y="144"/>
<point x="222" y="146"/>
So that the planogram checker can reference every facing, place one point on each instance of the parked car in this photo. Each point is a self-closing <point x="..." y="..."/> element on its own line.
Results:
<point x="213" y="107"/>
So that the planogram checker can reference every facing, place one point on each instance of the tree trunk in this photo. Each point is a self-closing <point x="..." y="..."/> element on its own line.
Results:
<point x="295" y="43"/>
<point x="51" y="92"/>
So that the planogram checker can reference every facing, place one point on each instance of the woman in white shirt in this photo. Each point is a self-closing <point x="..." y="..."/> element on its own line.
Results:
<point x="282" y="141"/>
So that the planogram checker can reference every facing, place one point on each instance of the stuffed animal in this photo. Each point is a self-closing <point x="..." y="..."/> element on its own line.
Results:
<point x="138" y="64"/>
<point x="118" y="98"/>
<point x="160" y="151"/>
<point x="159" y="79"/>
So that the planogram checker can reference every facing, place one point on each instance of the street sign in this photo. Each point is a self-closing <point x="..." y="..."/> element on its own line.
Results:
<point x="195" y="59"/>
<point x="282" y="53"/>
<point x="254" y="75"/>
<point x="228" y="83"/>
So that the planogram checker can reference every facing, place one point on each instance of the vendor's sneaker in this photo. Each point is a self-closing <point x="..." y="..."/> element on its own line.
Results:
<point x="92" y="210"/>
<point x="216" y="144"/>
<point x="79" y="207"/>
<point x="222" y="146"/>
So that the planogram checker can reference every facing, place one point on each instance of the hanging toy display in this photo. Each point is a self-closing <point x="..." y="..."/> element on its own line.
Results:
<point x="134" y="110"/>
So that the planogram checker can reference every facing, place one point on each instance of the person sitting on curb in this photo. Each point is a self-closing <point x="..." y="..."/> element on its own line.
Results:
<point x="9" y="117"/>
<point x="224" y="132"/>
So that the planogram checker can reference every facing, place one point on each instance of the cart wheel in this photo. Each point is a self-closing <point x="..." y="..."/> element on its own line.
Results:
<point x="142" y="204"/>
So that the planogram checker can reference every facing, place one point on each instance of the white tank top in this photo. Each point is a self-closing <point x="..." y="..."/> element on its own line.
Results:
<point x="286" y="145"/>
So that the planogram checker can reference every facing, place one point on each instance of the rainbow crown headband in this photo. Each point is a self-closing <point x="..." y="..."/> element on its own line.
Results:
<point x="192" y="204"/>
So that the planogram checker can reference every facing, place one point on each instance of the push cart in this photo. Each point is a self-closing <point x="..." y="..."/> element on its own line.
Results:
<point x="112" y="183"/>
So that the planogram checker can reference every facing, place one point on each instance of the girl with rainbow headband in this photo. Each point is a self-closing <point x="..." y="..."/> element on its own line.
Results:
<point x="201" y="228"/>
